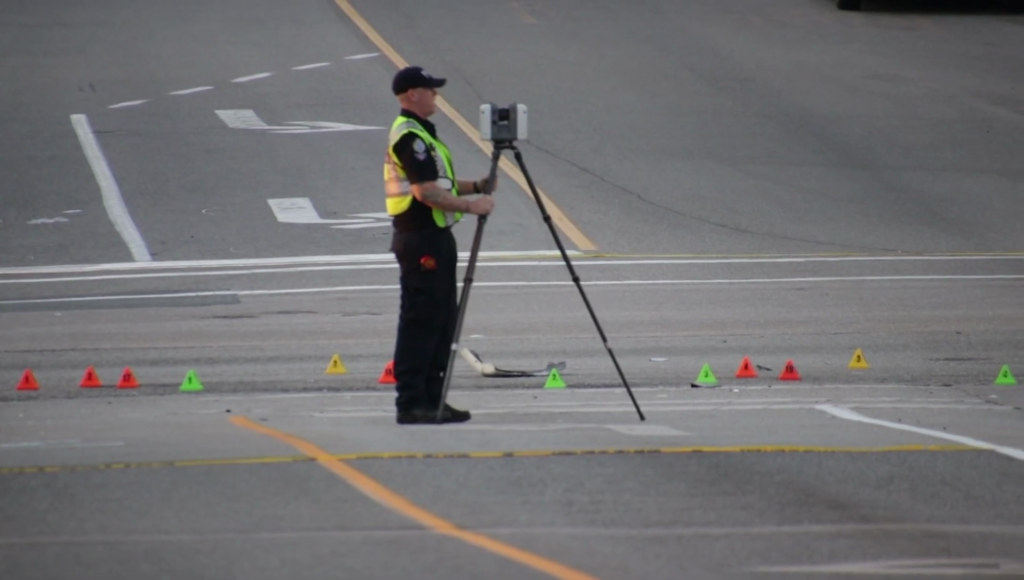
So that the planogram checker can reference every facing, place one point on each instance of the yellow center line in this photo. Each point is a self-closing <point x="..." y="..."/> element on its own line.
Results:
<point x="403" y="506"/>
<point x="557" y="215"/>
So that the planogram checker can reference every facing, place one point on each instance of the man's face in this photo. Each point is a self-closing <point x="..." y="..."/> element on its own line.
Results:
<point x="425" y="98"/>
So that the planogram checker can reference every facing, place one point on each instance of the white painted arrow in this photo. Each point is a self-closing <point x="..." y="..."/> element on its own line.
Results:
<point x="247" y="119"/>
<point x="372" y="223"/>
<point x="244" y="119"/>
<point x="322" y="127"/>
<point x="300" y="210"/>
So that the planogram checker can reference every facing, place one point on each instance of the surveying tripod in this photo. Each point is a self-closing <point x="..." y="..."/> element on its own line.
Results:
<point x="509" y="145"/>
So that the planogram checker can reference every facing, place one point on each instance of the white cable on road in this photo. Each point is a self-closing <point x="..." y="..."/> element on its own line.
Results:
<point x="849" y="415"/>
<point x="112" y="199"/>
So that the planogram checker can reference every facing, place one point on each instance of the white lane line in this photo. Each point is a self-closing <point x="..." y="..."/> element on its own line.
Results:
<point x="199" y="294"/>
<point x="757" y="530"/>
<point x="923" y="567"/>
<point x="796" y="260"/>
<point x="254" y="262"/>
<point x="849" y="415"/>
<point x="551" y="402"/>
<point x="336" y="259"/>
<point x="591" y="397"/>
<point x="636" y="430"/>
<point x="775" y="280"/>
<point x="653" y="407"/>
<point x="519" y="284"/>
<point x="251" y="77"/>
<point x="361" y="56"/>
<point x="979" y="567"/>
<point x="309" y="66"/>
<point x="73" y="443"/>
<point x="128" y="104"/>
<point x="646" y="430"/>
<point x="112" y="199"/>
<point x="389" y="265"/>
<point x="246" y="272"/>
<point x="190" y="91"/>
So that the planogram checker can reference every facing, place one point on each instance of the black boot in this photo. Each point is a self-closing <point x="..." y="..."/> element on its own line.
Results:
<point x="428" y="415"/>
<point x="453" y="415"/>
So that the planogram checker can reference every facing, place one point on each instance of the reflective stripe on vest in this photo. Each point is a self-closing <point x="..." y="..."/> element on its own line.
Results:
<point x="396" y="184"/>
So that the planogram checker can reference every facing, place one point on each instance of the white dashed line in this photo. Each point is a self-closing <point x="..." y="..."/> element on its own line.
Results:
<point x="244" y="79"/>
<point x="360" y="56"/>
<point x="46" y="221"/>
<point x="309" y="66"/>
<point x="251" y="77"/>
<point x="190" y="91"/>
<point x="127" y="104"/>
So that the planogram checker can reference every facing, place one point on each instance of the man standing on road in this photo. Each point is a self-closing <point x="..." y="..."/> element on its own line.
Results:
<point x="423" y="198"/>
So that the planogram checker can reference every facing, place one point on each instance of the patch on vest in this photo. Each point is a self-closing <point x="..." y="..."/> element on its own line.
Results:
<point x="420" y="149"/>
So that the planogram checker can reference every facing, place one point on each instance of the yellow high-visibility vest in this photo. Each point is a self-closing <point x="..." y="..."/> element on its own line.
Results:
<point x="396" y="184"/>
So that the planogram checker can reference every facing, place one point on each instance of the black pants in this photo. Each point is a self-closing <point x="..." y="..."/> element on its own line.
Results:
<point x="429" y="308"/>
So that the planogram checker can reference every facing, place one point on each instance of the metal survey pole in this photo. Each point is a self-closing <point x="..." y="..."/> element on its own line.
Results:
<point x="468" y="282"/>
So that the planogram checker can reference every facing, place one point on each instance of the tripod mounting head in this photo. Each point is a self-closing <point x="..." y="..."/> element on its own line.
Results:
<point x="503" y="125"/>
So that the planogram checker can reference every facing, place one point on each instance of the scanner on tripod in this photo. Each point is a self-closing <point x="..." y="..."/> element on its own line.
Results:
<point x="503" y="124"/>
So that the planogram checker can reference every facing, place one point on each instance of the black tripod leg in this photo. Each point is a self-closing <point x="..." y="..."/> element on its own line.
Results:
<point x="575" y="278"/>
<point x="467" y="283"/>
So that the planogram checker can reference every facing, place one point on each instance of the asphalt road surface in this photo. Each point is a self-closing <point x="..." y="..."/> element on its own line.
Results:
<point x="195" y="186"/>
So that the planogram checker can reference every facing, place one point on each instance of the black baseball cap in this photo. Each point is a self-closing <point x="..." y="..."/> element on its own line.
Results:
<point x="414" y="77"/>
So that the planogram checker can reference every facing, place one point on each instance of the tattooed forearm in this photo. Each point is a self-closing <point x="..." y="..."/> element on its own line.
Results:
<point x="434" y="196"/>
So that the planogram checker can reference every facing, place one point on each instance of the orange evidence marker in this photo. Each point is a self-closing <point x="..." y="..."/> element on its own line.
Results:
<point x="388" y="376"/>
<point x="789" y="373"/>
<point x="746" y="370"/>
<point x="90" y="379"/>
<point x="128" y="380"/>
<point x="28" y="382"/>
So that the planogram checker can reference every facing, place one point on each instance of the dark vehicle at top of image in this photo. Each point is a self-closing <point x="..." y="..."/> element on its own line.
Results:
<point x="1004" y="4"/>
